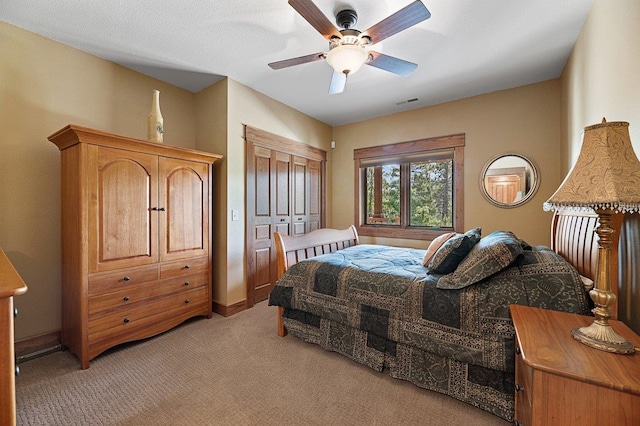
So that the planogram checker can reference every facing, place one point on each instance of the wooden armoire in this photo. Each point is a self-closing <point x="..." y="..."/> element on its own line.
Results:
<point x="285" y="188"/>
<point x="136" y="238"/>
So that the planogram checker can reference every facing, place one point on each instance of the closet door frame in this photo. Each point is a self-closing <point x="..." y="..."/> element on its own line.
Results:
<point x="259" y="239"/>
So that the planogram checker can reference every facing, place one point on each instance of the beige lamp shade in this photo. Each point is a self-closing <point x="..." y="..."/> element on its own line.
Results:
<point x="606" y="174"/>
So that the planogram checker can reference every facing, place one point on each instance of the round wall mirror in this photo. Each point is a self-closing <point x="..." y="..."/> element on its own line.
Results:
<point x="509" y="180"/>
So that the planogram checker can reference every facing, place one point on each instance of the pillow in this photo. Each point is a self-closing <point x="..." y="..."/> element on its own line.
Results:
<point x="449" y="255"/>
<point x="491" y="255"/>
<point x="587" y="283"/>
<point x="435" y="245"/>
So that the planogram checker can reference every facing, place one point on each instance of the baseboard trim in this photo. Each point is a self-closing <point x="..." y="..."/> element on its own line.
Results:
<point x="227" y="311"/>
<point x="38" y="346"/>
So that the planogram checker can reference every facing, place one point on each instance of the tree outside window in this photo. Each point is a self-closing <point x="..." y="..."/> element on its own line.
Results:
<point x="411" y="189"/>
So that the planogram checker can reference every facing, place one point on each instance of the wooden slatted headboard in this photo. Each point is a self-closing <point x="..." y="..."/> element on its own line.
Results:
<point x="292" y="249"/>
<point x="573" y="236"/>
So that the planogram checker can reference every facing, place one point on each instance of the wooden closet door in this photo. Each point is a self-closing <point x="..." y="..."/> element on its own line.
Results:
<point x="284" y="190"/>
<point x="183" y="209"/>
<point x="268" y="211"/>
<point x="122" y="188"/>
<point x="314" y="195"/>
<point x="299" y="196"/>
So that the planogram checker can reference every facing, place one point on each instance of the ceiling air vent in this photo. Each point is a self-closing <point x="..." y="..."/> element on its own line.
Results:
<point x="406" y="102"/>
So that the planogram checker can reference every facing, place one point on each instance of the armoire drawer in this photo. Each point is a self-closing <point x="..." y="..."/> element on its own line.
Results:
<point x="121" y="318"/>
<point x="112" y="281"/>
<point x="139" y="293"/>
<point x="186" y="266"/>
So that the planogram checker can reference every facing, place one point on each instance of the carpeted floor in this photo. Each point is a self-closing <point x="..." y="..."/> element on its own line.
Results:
<point x="226" y="371"/>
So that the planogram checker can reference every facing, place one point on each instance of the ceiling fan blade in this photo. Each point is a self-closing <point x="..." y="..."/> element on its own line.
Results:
<point x="297" y="61"/>
<point x="309" y="11"/>
<point x="338" y="83"/>
<point x="391" y="64"/>
<point x="399" y="21"/>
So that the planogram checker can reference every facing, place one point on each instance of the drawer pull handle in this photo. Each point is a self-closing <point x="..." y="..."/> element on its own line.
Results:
<point x="126" y="320"/>
<point x="17" y="370"/>
<point x="126" y="298"/>
<point x="519" y="388"/>
<point x="186" y="266"/>
<point x="518" y="351"/>
<point x="127" y="278"/>
<point x="282" y="220"/>
<point x="186" y="301"/>
<point x="157" y="209"/>
<point x="15" y="312"/>
<point x="186" y="283"/>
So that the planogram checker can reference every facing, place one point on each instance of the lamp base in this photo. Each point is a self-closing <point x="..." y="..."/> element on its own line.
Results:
<point x="601" y="336"/>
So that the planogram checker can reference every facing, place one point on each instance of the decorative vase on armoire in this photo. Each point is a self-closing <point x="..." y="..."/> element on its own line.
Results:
<point x="155" y="129"/>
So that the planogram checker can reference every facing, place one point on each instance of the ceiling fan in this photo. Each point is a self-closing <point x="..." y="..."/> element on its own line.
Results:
<point x="349" y="48"/>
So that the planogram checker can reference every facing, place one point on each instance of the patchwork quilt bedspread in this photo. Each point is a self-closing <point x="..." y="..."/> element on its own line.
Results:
<point x="387" y="292"/>
<point x="379" y="306"/>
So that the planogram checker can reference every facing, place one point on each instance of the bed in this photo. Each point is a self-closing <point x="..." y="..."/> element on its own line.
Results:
<point x="445" y="326"/>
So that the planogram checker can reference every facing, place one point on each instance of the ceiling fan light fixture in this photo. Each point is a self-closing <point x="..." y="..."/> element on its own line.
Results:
<point x="347" y="58"/>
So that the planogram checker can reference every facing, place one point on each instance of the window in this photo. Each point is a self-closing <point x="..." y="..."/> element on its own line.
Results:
<point x="411" y="189"/>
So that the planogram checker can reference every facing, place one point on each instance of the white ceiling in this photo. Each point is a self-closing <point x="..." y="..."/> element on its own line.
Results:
<point x="466" y="48"/>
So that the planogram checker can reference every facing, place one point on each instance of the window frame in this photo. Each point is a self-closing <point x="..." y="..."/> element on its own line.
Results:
<point x="379" y="153"/>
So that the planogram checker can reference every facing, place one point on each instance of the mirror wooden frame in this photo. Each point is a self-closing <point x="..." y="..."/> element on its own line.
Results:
<point x="515" y="178"/>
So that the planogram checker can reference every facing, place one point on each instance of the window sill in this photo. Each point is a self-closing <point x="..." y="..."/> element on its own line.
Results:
<point x="397" y="232"/>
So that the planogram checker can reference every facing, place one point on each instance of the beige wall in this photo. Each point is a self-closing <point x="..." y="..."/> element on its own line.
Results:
<point x="602" y="76"/>
<point x="44" y="86"/>
<point x="525" y="120"/>
<point x="211" y="135"/>
<point x="246" y="107"/>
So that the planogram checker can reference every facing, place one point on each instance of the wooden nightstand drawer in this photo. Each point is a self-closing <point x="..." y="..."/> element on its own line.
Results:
<point x="523" y="390"/>
<point x="566" y="382"/>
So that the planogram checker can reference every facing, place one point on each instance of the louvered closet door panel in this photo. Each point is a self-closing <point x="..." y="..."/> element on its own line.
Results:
<point x="122" y="189"/>
<point x="183" y="209"/>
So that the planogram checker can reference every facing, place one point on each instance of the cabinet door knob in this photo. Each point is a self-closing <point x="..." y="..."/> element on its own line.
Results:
<point x="127" y="278"/>
<point x="518" y="351"/>
<point x="186" y="301"/>
<point x="17" y="370"/>
<point x="15" y="312"/>
<point x="126" y="298"/>
<point x="186" y="283"/>
<point x="186" y="266"/>
<point x="519" y="388"/>
<point x="126" y="320"/>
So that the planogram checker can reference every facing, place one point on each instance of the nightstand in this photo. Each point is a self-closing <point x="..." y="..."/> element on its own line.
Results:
<point x="560" y="381"/>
